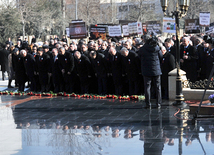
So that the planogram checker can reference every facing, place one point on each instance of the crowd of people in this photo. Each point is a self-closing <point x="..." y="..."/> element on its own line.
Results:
<point x="131" y="66"/>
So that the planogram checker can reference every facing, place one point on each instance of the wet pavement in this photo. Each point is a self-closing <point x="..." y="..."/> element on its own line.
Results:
<point x="31" y="125"/>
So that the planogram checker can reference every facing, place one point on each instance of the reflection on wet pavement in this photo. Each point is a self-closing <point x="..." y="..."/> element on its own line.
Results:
<point x="64" y="126"/>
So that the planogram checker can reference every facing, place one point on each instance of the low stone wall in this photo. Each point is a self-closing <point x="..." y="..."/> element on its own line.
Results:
<point x="196" y="94"/>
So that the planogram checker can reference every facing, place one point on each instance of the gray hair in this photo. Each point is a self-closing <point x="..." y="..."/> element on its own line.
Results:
<point x="123" y="50"/>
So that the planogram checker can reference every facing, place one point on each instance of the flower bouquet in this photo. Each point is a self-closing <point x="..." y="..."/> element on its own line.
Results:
<point x="211" y="98"/>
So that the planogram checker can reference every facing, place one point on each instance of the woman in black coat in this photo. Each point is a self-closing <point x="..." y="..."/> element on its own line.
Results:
<point x="167" y="64"/>
<point x="4" y="52"/>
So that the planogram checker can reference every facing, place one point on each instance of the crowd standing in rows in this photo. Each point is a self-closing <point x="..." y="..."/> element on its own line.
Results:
<point x="130" y="66"/>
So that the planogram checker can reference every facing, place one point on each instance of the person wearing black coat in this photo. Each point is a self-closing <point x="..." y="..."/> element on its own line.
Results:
<point x="42" y="68"/>
<point x="83" y="66"/>
<point x="131" y="64"/>
<point x="30" y="68"/>
<point x="55" y="71"/>
<point x="19" y="69"/>
<point x="116" y="69"/>
<point x="66" y="65"/>
<point x="209" y="60"/>
<point x="169" y="47"/>
<point x="4" y="52"/>
<point x="167" y="65"/>
<point x="188" y="60"/>
<point x="203" y="54"/>
<point x="150" y="56"/>
<point x="100" y="66"/>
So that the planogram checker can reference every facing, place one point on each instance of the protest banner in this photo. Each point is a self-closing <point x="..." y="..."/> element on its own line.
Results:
<point x="125" y="30"/>
<point x="114" y="31"/>
<point x="153" y="27"/>
<point x="192" y="26"/>
<point x="133" y="28"/>
<point x="77" y="30"/>
<point x="204" y="19"/>
<point x="97" y="32"/>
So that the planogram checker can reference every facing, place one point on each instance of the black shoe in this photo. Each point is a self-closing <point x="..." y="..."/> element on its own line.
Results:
<point x="10" y="87"/>
<point x="148" y="106"/>
<point x="158" y="106"/>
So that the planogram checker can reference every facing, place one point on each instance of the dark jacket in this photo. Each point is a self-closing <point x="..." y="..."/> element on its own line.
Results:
<point x="132" y="65"/>
<point x="167" y="64"/>
<point x="66" y="62"/>
<point x="30" y="64"/>
<point x="189" y="65"/>
<point x="4" y="59"/>
<point x="150" y="60"/>
<point x="100" y="65"/>
<point x="83" y="66"/>
<point x="116" y="66"/>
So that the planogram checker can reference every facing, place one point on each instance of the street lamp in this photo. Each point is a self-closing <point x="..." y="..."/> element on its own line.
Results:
<point x="184" y="4"/>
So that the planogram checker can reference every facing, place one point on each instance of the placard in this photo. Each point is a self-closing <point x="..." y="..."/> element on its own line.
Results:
<point x="132" y="28"/>
<point x="169" y="25"/>
<point x="192" y="26"/>
<point x="97" y="32"/>
<point x="114" y="31"/>
<point x="125" y="30"/>
<point x="204" y="19"/>
<point x="154" y="27"/>
<point x="77" y="30"/>
<point x="139" y="28"/>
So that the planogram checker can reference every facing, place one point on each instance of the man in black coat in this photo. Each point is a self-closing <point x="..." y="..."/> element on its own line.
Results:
<point x="83" y="66"/>
<point x="66" y="65"/>
<point x="188" y="59"/>
<point x="167" y="64"/>
<point x="203" y="54"/>
<point x="42" y="68"/>
<point x="151" y="56"/>
<point x="19" y="69"/>
<point x="131" y="64"/>
<point x="55" y="71"/>
<point x="30" y="68"/>
<point x="101" y="70"/>
<point x="169" y="47"/>
<point x="116" y="69"/>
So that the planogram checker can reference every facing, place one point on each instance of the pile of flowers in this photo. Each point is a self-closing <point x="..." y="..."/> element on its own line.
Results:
<point x="89" y="96"/>
<point x="211" y="98"/>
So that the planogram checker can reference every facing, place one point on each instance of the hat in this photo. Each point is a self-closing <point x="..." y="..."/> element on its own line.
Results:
<point x="45" y="46"/>
<point x="7" y="42"/>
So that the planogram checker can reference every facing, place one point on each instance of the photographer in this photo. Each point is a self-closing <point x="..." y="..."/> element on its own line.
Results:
<point x="150" y="56"/>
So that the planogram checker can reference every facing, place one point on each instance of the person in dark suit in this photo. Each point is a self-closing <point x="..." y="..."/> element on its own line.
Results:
<point x="167" y="65"/>
<point x="19" y="69"/>
<point x="30" y="68"/>
<point x="55" y="72"/>
<point x="203" y="54"/>
<point x="150" y="56"/>
<point x="33" y="40"/>
<point x="4" y="52"/>
<point x="66" y="65"/>
<point x="169" y="46"/>
<point x="42" y="68"/>
<point x="188" y="59"/>
<point x="209" y="60"/>
<point x="131" y="64"/>
<point x="99" y="64"/>
<point x="83" y="66"/>
<point x="116" y="69"/>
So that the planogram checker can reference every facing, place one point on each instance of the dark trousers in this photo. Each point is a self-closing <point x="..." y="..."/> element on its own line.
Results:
<point x="157" y="87"/>
<point x="134" y="87"/>
<point x="102" y="85"/>
<point x="33" y="84"/>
